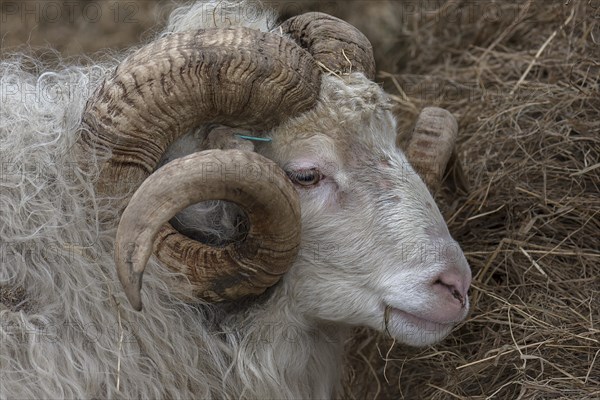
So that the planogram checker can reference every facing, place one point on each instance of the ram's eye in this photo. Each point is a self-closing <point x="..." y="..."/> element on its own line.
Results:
<point x="305" y="177"/>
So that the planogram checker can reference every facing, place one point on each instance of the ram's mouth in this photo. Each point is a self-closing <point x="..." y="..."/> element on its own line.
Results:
<point x="395" y="316"/>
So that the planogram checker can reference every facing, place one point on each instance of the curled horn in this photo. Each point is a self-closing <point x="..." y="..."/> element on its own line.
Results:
<point x="431" y="144"/>
<point x="339" y="46"/>
<point x="246" y="267"/>
<point x="234" y="77"/>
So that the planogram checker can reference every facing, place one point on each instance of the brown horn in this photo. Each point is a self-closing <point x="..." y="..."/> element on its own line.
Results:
<point x="431" y="144"/>
<point x="335" y="43"/>
<point x="234" y="77"/>
<point x="261" y="188"/>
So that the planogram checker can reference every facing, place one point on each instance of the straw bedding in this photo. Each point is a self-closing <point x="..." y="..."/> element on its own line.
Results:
<point x="522" y="197"/>
<point x="524" y="202"/>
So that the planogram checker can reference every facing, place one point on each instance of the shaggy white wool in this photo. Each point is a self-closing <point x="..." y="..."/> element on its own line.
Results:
<point x="221" y="14"/>
<point x="75" y="335"/>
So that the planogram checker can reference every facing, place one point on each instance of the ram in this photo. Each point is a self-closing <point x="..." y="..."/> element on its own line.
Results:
<point x="291" y="240"/>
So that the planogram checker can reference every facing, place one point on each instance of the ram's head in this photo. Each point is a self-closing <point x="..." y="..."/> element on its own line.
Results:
<point x="330" y="176"/>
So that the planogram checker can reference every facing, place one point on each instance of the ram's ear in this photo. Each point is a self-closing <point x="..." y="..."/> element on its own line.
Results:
<point x="430" y="148"/>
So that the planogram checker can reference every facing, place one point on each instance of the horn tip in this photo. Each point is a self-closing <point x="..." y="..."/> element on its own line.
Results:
<point x="132" y="286"/>
<point x="134" y="297"/>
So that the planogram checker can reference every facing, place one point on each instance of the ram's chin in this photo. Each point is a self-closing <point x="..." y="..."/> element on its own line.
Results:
<point x="414" y="331"/>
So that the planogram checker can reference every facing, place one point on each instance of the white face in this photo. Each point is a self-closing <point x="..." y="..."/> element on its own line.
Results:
<point x="376" y="250"/>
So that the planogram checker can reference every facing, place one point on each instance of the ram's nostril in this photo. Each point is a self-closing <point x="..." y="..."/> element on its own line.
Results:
<point x="456" y="294"/>
<point x="453" y="291"/>
<point x="456" y="284"/>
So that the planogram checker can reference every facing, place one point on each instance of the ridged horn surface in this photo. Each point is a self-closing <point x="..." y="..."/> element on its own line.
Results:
<point x="234" y="77"/>
<point x="431" y="145"/>
<point x="338" y="45"/>
<point x="248" y="267"/>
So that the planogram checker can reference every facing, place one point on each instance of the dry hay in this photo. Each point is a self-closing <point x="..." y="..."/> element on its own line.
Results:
<point x="78" y="27"/>
<point x="529" y="221"/>
<point x="524" y="85"/>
